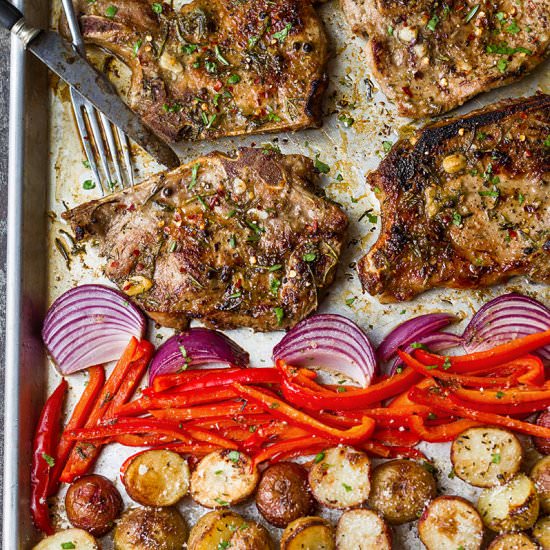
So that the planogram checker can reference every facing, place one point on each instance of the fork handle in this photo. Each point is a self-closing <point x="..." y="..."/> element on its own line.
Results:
<point x="9" y="15"/>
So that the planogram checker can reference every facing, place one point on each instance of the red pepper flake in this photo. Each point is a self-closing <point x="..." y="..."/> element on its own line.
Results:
<point x="218" y="85"/>
<point x="132" y="207"/>
<point x="115" y="264"/>
<point x="140" y="266"/>
<point x="407" y="91"/>
<point x="513" y="234"/>
<point x="135" y="252"/>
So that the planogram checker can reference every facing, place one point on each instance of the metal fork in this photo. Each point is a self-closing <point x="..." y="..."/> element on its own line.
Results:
<point x="99" y="126"/>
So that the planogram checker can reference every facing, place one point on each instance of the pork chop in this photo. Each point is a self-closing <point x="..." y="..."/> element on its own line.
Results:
<point x="465" y="203"/>
<point x="430" y="57"/>
<point x="215" y="67"/>
<point x="245" y="240"/>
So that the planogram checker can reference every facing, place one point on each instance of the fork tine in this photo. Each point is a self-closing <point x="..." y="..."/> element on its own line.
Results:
<point x="125" y="147"/>
<point x="113" y="149"/>
<point x="98" y="141"/>
<point x="85" y="138"/>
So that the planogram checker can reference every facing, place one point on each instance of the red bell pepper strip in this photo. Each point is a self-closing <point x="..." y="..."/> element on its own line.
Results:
<point x="149" y="440"/>
<point x="302" y="446"/>
<point x="378" y="449"/>
<point x="207" y="436"/>
<point x="440" y="401"/>
<point x="511" y="397"/>
<point x="398" y="437"/>
<point x="84" y="454"/>
<point x="227" y="408"/>
<point x="498" y="355"/>
<point x="164" y="382"/>
<point x="280" y="409"/>
<point x="352" y="400"/>
<point x="81" y="412"/>
<point x="44" y="446"/>
<point x="441" y="433"/>
<point x="520" y="409"/>
<point x="220" y="422"/>
<point x="175" y="400"/>
<point x="195" y="449"/>
<point x="460" y="379"/>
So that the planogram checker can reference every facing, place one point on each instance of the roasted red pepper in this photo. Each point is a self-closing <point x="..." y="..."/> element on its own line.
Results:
<point x="291" y="448"/>
<point x="441" y="433"/>
<point x="391" y="451"/>
<point x="280" y="409"/>
<point x="492" y="357"/>
<point x="164" y="382"/>
<point x="226" y="408"/>
<point x="439" y="400"/>
<point x="351" y="400"/>
<point x="510" y="397"/>
<point x="44" y="450"/>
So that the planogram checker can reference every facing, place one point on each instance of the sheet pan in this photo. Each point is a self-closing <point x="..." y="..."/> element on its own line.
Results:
<point x="46" y="175"/>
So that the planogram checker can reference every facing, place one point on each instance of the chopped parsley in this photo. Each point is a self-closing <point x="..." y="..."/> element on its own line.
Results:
<point x="418" y="345"/>
<point x="350" y="301"/>
<point x="500" y="394"/>
<point x="309" y="257"/>
<point x="504" y="49"/>
<point x="457" y="219"/>
<point x="472" y="13"/>
<point x="319" y="457"/>
<point x="156" y="7"/>
<point x="346" y="120"/>
<point x="495" y="458"/>
<point x="513" y="27"/>
<point x="232" y="241"/>
<point x="223" y="545"/>
<point x="50" y="461"/>
<point x="274" y="286"/>
<point x="234" y="79"/>
<point x="275" y="267"/>
<point x="137" y="46"/>
<point x="320" y="166"/>
<point x="67" y="545"/>
<point x="220" y="57"/>
<point x="111" y="11"/>
<point x="502" y="65"/>
<point x="279" y="314"/>
<point x="432" y="23"/>
<point x="346" y="487"/>
<point x="88" y="184"/>
<point x="221" y="502"/>
<point x="447" y="363"/>
<point x="194" y="173"/>
<point x="234" y="456"/>
<point x="189" y="48"/>
<point x="387" y="145"/>
<point x="282" y="35"/>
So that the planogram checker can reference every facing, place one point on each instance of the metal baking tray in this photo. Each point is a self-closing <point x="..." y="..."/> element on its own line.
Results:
<point x="46" y="174"/>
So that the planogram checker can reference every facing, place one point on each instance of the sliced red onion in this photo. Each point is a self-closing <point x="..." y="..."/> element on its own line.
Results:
<point x="90" y="325"/>
<point x="411" y="331"/>
<point x="196" y="346"/>
<point x="506" y="318"/>
<point x="438" y="341"/>
<point x="332" y="342"/>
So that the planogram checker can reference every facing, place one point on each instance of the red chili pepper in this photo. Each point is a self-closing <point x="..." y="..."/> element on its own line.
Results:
<point x="81" y="413"/>
<point x="282" y="410"/>
<point x="226" y="408"/>
<point x="440" y="401"/>
<point x="492" y="357"/>
<point x="461" y="379"/>
<point x="175" y="400"/>
<point x="44" y="451"/>
<point x="441" y="433"/>
<point x="359" y="399"/>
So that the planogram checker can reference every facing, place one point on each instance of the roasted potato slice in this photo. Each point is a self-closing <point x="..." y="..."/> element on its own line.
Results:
<point x="512" y="541"/>
<point x="93" y="503"/>
<point x="78" y="538"/>
<point x="157" y="478"/>
<point x="540" y="474"/>
<point x="223" y="478"/>
<point x="362" y="530"/>
<point x="226" y="529"/>
<point x="401" y="489"/>
<point x="513" y="506"/>
<point x="309" y="533"/>
<point x="341" y="478"/>
<point x="150" y="529"/>
<point x="450" y="522"/>
<point x="541" y="532"/>
<point x="283" y="494"/>
<point x="484" y="456"/>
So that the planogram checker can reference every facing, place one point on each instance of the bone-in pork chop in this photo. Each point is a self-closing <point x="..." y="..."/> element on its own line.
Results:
<point x="215" y="67"/>
<point x="245" y="240"/>
<point x="430" y="57"/>
<point x="465" y="203"/>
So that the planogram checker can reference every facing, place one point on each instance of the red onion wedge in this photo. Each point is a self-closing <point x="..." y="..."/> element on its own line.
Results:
<point x="90" y="325"/>
<point x="412" y="331"/>
<point x="332" y="342"/>
<point x="196" y="346"/>
<point x="506" y="318"/>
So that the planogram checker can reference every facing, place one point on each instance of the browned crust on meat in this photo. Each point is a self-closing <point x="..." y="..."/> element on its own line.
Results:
<point x="243" y="240"/>
<point x="216" y="67"/>
<point x="479" y="226"/>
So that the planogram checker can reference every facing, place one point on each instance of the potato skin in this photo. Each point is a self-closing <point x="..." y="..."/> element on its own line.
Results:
<point x="150" y="529"/>
<point x="540" y="474"/>
<point x="283" y="494"/>
<point x="93" y="503"/>
<point x="512" y="541"/>
<point x="542" y="444"/>
<point x="308" y="533"/>
<point x="252" y="537"/>
<point x="400" y="490"/>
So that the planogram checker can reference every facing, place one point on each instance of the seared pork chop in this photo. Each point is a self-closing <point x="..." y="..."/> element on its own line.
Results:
<point x="430" y="57"/>
<point x="216" y="67"/>
<point x="465" y="203"/>
<point x="234" y="241"/>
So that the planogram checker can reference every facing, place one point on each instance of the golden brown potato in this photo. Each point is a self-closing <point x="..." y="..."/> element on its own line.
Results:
<point x="223" y="478"/>
<point x="283" y="494"/>
<point x="541" y="532"/>
<point x="362" y="530"/>
<point x="226" y="529"/>
<point x="68" y="538"/>
<point x="512" y="541"/>
<point x="150" y="529"/>
<point x="93" y="503"/>
<point x="157" y="478"/>
<point x="309" y="533"/>
<point x="540" y="474"/>
<point x="449" y="523"/>
<point x="484" y="456"/>
<point x="513" y="506"/>
<point x="341" y="478"/>
<point x="401" y="489"/>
